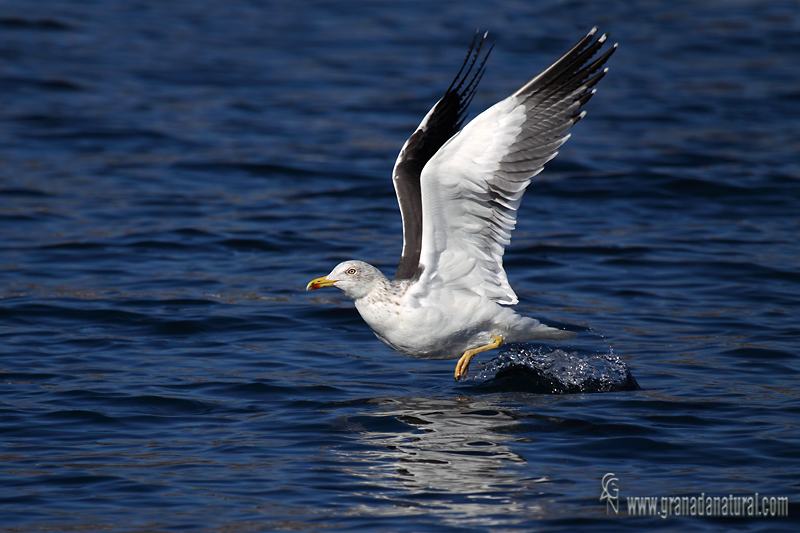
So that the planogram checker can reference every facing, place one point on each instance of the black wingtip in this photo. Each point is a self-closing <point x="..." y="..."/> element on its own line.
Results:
<point x="575" y="65"/>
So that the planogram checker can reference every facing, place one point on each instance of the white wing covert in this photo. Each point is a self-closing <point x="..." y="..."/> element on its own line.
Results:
<point x="472" y="187"/>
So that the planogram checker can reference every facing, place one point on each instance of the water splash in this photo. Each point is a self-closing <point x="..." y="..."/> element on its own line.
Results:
<point x="547" y="370"/>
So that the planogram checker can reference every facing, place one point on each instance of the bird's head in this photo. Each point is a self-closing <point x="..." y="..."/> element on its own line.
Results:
<point x="354" y="278"/>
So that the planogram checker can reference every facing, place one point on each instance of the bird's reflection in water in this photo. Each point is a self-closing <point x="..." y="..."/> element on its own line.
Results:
<point x="451" y="458"/>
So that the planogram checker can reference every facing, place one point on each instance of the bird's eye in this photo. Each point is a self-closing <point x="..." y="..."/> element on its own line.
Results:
<point x="351" y="271"/>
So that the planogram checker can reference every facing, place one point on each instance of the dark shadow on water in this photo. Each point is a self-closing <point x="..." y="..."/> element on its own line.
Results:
<point x="547" y="370"/>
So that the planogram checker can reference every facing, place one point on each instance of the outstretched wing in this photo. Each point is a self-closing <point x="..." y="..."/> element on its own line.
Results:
<point x="440" y="124"/>
<point x="472" y="187"/>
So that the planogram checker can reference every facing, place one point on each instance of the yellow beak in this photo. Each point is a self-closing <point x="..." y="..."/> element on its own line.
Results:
<point x="318" y="283"/>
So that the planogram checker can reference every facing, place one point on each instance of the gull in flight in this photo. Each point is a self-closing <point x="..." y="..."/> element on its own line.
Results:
<point x="459" y="191"/>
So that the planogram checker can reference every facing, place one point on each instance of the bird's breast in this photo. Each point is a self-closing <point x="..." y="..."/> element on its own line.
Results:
<point x="422" y="332"/>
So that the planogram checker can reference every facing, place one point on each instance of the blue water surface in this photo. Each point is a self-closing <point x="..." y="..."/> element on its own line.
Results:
<point x="174" y="173"/>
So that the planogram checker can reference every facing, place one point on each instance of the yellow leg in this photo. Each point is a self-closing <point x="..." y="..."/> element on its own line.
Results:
<point x="462" y="367"/>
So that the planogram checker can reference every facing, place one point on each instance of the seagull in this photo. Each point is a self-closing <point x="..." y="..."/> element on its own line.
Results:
<point x="459" y="191"/>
